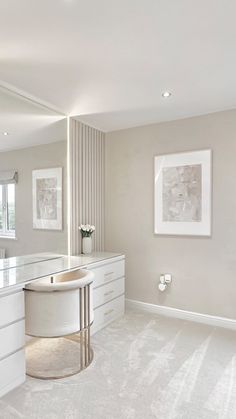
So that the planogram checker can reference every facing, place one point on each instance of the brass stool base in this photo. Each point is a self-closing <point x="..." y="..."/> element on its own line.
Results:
<point x="54" y="358"/>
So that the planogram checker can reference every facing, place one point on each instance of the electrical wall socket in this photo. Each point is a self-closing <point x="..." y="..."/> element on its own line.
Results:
<point x="165" y="278"/>
<point x="168" y="278"/>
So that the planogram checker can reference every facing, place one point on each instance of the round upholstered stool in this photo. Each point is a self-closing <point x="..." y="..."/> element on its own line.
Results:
<point x="59" y="313"/>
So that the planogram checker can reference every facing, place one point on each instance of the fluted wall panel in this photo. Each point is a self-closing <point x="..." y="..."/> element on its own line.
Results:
<point x="87" y="179"/>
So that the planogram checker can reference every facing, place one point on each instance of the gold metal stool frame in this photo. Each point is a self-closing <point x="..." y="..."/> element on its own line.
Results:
<point x="80" y="337"/>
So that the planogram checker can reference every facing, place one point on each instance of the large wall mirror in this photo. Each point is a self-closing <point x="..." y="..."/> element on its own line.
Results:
<point x="33" y="177"/>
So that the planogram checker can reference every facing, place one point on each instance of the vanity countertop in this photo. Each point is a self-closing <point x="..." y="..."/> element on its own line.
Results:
<point x="17" y="271"/>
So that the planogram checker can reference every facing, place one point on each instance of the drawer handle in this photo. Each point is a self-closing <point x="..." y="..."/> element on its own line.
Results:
<point x="109" y="312"/>
<point x="108" y="293"/>
<point x="109" y="273"/>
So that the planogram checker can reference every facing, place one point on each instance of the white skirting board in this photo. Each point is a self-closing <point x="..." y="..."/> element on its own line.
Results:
<point x="182" y="314"/>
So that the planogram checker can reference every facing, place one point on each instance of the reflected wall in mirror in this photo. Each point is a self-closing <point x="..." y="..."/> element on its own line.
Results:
<point x="32" y="137"/>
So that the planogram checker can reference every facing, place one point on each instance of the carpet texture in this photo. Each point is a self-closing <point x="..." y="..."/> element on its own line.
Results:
<point x="145" y="367"/>
<point x="55" y="358"/>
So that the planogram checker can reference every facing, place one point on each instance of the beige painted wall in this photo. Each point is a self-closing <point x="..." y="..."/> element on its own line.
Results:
<point x="24" y="161"/>
<point x="203" y="269"/>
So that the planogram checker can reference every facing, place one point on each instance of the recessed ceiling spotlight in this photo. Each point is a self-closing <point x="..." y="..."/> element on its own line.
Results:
<point x="5" y="133"/>
<point x="166" y="94"/>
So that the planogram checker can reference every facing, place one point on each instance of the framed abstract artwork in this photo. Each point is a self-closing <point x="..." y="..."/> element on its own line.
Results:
<point x="47" y="198"/>
<point x="182" y="195"/>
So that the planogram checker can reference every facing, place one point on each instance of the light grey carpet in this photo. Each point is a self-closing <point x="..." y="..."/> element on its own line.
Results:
<point x="53" y="358"/>
<point x="145" y="367"/>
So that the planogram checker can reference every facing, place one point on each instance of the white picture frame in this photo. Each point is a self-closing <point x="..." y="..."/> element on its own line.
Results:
<point x="183" y="193"/>
<point x="47" y="198"/>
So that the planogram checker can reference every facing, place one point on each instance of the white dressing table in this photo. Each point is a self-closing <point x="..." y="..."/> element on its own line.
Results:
<point x="15" y="273"/>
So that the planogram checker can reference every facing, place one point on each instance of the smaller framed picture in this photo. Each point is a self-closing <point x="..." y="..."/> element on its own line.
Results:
<point x="47" y="199"/>
<point x="183" y="193"/>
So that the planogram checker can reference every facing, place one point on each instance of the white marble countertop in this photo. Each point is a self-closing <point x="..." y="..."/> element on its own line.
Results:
<point x="20" y="270"/>
<point x="16" y="261"/>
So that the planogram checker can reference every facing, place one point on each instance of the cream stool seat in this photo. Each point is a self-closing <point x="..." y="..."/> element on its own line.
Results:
<point x="61" y="305"/>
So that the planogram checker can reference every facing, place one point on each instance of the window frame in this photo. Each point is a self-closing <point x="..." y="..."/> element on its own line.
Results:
<point x="5" y="231"/>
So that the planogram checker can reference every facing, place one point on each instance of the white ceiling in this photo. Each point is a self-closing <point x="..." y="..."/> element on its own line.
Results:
<point x="109" y="61"/>
<point x="27" y="123"/>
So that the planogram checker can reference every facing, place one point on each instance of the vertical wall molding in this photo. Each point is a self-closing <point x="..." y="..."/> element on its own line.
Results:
<point x="87" y="183"/>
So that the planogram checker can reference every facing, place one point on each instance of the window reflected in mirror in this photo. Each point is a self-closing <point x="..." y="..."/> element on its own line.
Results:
<point x="7" y="210"/>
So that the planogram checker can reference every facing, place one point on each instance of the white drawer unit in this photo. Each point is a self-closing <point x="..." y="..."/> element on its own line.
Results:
<point x="109" y="272"/>
<point x="12" y="372"/>
<point x="108" y="292"/>
<point x="108" y="313"/>
<point x="12" y="341"/>
<point x="12" y="338"/>
<point x="12" y="308"/>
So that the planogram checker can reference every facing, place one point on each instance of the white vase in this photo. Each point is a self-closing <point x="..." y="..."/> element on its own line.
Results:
<point x="87" y="245"/>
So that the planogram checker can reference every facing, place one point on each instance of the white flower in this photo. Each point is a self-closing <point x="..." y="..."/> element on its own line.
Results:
<point x="86" y="229"/>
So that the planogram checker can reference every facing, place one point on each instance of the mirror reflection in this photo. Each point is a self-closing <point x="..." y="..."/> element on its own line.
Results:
<point x="33" y="177"/>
